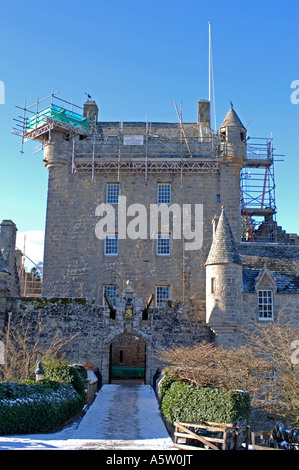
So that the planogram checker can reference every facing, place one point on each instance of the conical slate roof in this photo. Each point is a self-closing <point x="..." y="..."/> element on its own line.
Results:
<point x="224" y="249"/>
<point x="232" y="119"/>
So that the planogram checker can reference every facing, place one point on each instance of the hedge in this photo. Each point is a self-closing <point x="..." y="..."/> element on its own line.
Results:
<point x="32" y="408"/>
<point x="187" y="402"/>
<point x="60" y="371"/>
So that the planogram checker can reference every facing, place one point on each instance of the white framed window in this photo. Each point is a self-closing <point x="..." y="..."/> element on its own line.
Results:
<point x="163" y="245"/>
<point x="112" y="196"/>
<point x="111" y="292"/>
<point x="265" y="304"/>
<point x="111" y="245"/>
<point x="268" y="392"/>
<point x="162" y="294"/>
<point x="164" y="193"/>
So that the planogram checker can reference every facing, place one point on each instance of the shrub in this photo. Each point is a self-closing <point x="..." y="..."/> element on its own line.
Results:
<point x="167" y="380"/>
<point x="60" y="371"/>
<point x="32" y="408"/>
<point x="187" y="402"/>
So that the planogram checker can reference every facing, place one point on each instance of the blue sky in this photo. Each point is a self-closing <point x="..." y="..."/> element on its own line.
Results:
<point x="136" y="58"/>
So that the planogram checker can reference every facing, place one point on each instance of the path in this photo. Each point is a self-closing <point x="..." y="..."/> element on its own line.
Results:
<point x="121" y="417"/>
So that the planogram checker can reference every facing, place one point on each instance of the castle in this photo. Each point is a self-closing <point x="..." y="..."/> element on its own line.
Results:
<point x="129" y="286"/>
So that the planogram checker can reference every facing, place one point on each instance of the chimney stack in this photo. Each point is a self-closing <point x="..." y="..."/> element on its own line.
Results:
<point x="90" y="110"/>
<point x="204" y="117"/>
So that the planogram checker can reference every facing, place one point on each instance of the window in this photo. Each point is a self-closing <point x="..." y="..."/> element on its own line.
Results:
<point x="162" y="294"/>
<point x="163" y="245"/>
<point x="111" y="245"/>
<point x="218" y="199"/>
<point x="265" y="304"/>
<point x="112" y="193"/>
<point x="111" y="292"/>
<point x="121" y="356"/>
<point x="164" y="193"/>
<point x="213" y="285"/>
<point x="268" y="393"/>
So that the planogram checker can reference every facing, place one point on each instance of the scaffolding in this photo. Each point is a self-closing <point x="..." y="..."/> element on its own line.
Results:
<point x="258" y="206"/>
<point x="173" y="148"/>
<point x="30" y="282"/>
<point x="39" y="119"/>
<point x="150" y="152"/>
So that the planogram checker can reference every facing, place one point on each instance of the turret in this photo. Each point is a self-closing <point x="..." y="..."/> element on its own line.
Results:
<point x="233" y="144"/>
<point x="233" y="136"/>
<point x="224" y="282"/>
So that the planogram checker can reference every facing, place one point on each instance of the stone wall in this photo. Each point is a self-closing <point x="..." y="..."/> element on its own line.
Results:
<point x="176" y="324"/>
<point x="75" y="264"/>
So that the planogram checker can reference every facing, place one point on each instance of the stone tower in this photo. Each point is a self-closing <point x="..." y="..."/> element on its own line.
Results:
<point x="224" y="282"/>
<point x="93" y="163"/>
<point x="233" y="136"/>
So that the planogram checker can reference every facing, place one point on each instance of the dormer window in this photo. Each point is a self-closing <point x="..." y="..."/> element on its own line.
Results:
<point x="265" y="288"/>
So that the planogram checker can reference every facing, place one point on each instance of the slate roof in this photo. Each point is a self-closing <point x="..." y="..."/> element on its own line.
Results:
<point x="232" y="119"/>
<point x="281" y="260"/>
<point x="224" y="248"/>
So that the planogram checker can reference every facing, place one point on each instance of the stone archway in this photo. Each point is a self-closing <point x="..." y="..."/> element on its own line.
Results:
<point x="127" y="359"/>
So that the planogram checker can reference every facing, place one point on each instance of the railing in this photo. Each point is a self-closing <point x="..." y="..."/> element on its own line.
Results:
<point x="59" y="114"/>
<point x="259" y="149"/>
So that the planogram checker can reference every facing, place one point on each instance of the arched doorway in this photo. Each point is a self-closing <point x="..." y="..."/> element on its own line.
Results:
<point x="127" y="359"/>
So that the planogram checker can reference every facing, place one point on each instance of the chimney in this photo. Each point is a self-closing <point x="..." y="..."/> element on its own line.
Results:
<point x="90" y="110"/>
<point x="8" y="235"/>
<point x="204" y="113"/>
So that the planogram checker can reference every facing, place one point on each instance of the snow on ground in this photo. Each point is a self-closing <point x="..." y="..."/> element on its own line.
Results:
<point x="121" y="417"/>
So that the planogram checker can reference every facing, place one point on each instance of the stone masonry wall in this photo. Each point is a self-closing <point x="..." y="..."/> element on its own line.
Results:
<point x="176" y="324"/>
<point x="74" y="260"/>
<point x="75" y="263"/>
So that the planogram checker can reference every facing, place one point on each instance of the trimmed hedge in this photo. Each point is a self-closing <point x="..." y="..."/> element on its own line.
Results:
<point x="32" y="408"/>
<point x="60" y="371"/>
<point x="187" y="402"/>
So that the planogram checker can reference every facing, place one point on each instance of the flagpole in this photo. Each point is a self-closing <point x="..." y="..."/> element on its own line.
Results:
<point x="210" y="65"/>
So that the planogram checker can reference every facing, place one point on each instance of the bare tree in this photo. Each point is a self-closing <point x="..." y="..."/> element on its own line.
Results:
<point x="264" y="367"/>
<point x="273" y="342"/>
<point x="26" y="343"/>
<point x="207" y="365"/>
